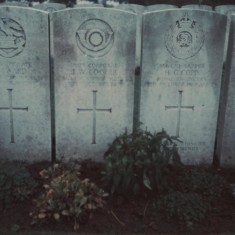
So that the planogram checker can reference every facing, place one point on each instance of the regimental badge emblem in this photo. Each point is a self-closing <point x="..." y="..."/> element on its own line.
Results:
<point x="185" y="38"/>
<point x="95" y="37"/>
<point x="12" y="38"/>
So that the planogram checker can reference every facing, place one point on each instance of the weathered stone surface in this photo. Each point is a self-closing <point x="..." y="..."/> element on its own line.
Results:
<point x="25" y="132"/>
<point x="50" y="7"/>
<point x="198" y="7"/>
<point x="132" y="8"/>
<point x="227" y="10"/>
<point x="181" y="78"/>
<point x="157" y="7"/>
<point x="90" y="4"/>
<point x="12" y="3"/>
<point x="138" y="9"/>
<point x="94" y="79"/>
<point x="79" y="2"/>
<point x="225" y="150"/>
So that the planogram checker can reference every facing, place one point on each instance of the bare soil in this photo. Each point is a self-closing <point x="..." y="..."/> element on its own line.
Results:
<point x="123" y="215"/>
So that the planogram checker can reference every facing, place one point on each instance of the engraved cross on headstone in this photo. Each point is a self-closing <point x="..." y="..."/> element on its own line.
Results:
<point x="11" y="109"/>
<point x="179" y="107"/>
<point x="94" y="110"/>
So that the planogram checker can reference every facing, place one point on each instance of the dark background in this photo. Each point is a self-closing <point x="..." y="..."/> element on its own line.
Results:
<point x="183" y="2"/>
<point x="179" y="3"/>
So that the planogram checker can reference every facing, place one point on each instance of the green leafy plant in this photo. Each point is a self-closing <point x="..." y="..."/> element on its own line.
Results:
<point x="208" y="185"/>
<point x="186" y="207"/>
<point x="140" y="159"/>
<point x="66" y="195"/>
<point x="16" y="184"/>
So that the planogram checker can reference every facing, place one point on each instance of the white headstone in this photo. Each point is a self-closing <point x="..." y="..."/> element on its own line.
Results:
<point x="198" y="7"/>
<point x="139" y="9"/>
<point x="50" y="7"/>
<point x="111" y="3"/>
<point x="181" y="78"/>
<point x="84" y="2"/>
<point x="25" y="131"/>
<point x="87" y="5"/>
<point x="157" y="7"/>
<point x="227" y="10"/>
<point x="225" y="150"/>
<point x="14" y="3"/>
<point x="94" y="79"/>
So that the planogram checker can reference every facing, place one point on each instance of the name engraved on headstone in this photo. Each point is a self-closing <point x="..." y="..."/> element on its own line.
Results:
<point x="94" y="110"/>
<point x="25" y="124"/>
<point x="182" y="61"/>
<point x="181" y="74"/>
<point x="191" y="146"/>
<point x="103" y="73"/>
<point x="11" y="108"/>
<point x="94" y="79"/>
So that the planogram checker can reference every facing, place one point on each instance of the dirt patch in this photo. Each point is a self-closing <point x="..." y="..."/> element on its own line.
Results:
<point x="124" y="215"/>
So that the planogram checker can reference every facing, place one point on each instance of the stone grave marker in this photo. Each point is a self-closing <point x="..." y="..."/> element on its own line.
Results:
<point x="138" y="9"/>
<point x="181" y="78"/>
<point x="157" y="7"/>
<point x="25" y="131"/>
<point x="111" y="3"/>
<point x="87" y="5"/>
<point x="227" y="10"/>
<point x="198" y="7"/>
<point x="50" y="7"/>
<point x="14" y="3"/>
<point x="225" y="150"/>
<point x="84" y="2"/>
<point x="94" y="79"/>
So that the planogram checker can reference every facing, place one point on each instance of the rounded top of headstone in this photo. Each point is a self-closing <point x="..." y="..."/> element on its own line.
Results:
<point x="110" y="3"/>
<point x="87" y="5"/>
<point x="135" y="8"/>
<point x="225" y="9"/>
<point x="15" y="3"/>
<point x="50" y="7"/>
<point x="157" y="7"/>
<point x="197" y="6"/>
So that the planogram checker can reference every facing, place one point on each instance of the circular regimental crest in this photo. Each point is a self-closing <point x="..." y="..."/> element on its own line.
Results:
<point x="12" y="38"/>
<point x="94" y="38"/>
<point x="184" y="39"/>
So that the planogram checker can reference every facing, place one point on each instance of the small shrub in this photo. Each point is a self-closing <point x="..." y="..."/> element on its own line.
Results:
<point x="186" y="207"/>
<point x="66" y="195"/>
<point x="16" y="184"/>
<point x="209" y="185"/>
<point x="139" y="159"/>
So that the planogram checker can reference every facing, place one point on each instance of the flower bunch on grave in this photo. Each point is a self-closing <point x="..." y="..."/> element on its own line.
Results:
<point x="66" y="195"/>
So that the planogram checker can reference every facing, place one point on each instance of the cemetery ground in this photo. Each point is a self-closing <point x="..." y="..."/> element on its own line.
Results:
<point x="125" y="213"/>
